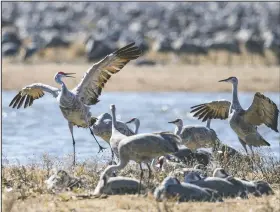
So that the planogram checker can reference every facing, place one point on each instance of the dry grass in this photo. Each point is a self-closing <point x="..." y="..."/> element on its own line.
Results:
<point x="171" y="77"/>
<point x="30" y="194"/>
<point x="135" y="203"/>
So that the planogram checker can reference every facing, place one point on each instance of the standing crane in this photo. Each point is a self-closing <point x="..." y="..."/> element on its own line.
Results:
<point x="136" y="122"/>
<point x="116" y="136"/>
<point x="141" y="147"/>
<point x="75" y="104"/>
<point x="243" y="122"/>
<point x="103" y="127"/>
<point x="195" y="137"/>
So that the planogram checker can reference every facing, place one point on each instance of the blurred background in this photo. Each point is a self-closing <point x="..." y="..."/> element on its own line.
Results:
<point x="207" y="32"/>
<point x="187" y="47"/>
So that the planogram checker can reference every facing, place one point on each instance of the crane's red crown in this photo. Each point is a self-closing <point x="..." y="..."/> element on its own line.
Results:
<point x="61" y="73"/>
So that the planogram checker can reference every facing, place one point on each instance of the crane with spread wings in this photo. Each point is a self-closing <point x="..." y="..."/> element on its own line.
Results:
<point x="75" y="104"/>
<point x="243" y="122"/>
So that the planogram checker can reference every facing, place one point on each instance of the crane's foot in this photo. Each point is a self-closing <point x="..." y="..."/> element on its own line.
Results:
<point x="101" y="148"/>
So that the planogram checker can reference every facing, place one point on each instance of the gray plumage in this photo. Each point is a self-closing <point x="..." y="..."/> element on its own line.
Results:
<point x="171" y="187"/>
<point x="199" y="168"/>
<point x="243" y="122"/>
<point x="263" y="187"/>
<point x="250" y="186"/>
<point x="222" y="186"/>
<point x="195" y="137"/>
<point x="117" y="185"/>
<point x="75" y="104"/>
<point x="143" y="147"/>
<point x="116" y="136"/>
<point x="188" y="156"/>
<point x="103" y="127"/>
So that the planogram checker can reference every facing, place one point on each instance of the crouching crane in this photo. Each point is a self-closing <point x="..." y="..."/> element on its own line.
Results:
<point x="75" y="104"/>
<point x="243" y="122"/>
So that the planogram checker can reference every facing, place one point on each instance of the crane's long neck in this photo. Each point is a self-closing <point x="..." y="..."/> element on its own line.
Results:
<point x="178" y="128"/>
<point x="114" y="122"/>
<point x="63" y="86"/>
<point x="235" y="102"/>
<point x="137" y="125"/>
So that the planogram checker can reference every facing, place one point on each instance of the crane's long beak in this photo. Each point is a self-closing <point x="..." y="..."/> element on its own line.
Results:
<point x="172" y="122"/>
<point x="224" y="80"/>
<point x="131" y="120"/>
<point x="69" y="75"/>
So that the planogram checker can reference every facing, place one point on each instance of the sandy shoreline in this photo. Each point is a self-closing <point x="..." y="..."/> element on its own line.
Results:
<point x="171" y="77"/>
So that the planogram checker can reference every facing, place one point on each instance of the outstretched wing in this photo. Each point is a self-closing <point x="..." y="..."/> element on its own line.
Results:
<point x="31" y="92"/>
<point x="262" y="111"/>
<point x="212" y="110"/>
<point x="95" y="78"/>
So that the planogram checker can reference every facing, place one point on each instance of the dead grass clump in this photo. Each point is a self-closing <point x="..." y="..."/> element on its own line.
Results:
<point x="261" y="166"/>
<point x="24" y="187"/>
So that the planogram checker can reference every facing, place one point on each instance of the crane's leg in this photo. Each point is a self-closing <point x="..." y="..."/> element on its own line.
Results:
<point x="150" y="171"/>
<point x="112" y="153"/>
<point x="141" y="176"/>
<point x="100" y="147"/>
<point x="71" y="130"/>
<point x="244" y="145"/>
<point x="251" y="148"/>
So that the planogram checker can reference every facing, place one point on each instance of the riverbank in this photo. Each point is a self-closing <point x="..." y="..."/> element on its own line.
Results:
<point x="171" y="77"/>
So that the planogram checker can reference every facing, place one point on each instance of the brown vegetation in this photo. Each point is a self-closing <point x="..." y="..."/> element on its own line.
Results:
<point x="29" y="191"/>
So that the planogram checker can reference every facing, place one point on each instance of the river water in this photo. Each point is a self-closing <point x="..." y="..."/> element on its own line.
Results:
<point x="41" y="128"/>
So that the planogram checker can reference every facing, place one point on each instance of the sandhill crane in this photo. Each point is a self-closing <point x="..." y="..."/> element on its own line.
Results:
<point x="103" y="127"/>
<point x="186" y="155"/>
<point x="116" y="136"/>
<point x="250" y="186"/>
<point x="257" y="187"/>
<point x="263" y="187"/>
<point x="190" y="157"/>
<point x="116" y="185"/>
<point x="224" y="187"/>
<point x="143" y="147"/>
<point x="136" y="121"/>
<point x="195" y="137"/>
<point x="171" y="187"/>
<point x="243" y="122"/>
<point x="75" y="104"/>
<point x="201" y="169"/>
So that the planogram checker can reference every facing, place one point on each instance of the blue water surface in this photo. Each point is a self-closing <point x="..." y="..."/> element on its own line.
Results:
<point x="42" y="128"/>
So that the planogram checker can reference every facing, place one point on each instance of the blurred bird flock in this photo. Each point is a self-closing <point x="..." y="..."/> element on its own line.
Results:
<point x="203" y="31"/>
<point x="220" y="33"/>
